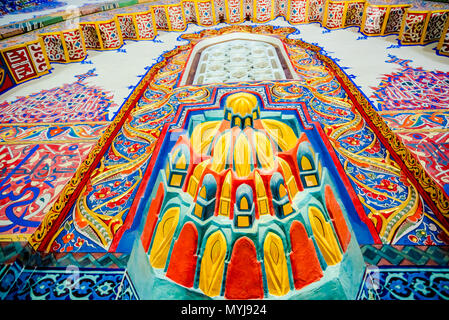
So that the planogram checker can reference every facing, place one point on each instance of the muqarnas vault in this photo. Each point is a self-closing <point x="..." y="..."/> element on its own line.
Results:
<point x="244" y="206"/>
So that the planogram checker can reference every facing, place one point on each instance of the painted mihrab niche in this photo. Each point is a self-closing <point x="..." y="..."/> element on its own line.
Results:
<point x="249" y="204"/>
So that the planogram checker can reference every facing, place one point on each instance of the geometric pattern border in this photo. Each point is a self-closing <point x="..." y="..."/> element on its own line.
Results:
<point x="379" y="255"/>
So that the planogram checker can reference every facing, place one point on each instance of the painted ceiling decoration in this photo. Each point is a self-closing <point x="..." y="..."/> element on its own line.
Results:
<point x="415" y="22"/>
<point x="244" y="165"/>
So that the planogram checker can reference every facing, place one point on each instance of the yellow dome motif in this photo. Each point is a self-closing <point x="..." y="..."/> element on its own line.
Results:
<point x="220" y="152"/>
<point x="241" y="103"/>
<point x="235" y="148"/>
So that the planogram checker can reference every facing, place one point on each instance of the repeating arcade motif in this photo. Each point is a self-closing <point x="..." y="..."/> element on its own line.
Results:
<point x="435" y="26"/>
<point x="413" y="27"/>
<point x="90" y="35"/>
<point x="176" y="17"/>
<point x="145" y="25"/>
<point x="127" y="28"/>
<point x="281" y="8"/>
<point x="416" y="23"/>
<point x="263" y="10"/>
<point x="75" y="44"/>
<point x="220" y="10"/>
<point x="160" y="17"/>
<point x="205" y="13"/>
<point x="248" y="8"/>
<point x="190" y="11"/>
<point x="374" y="19"/>
<point x="110" y="35"/>
<point x="234" y="11"/>
<point x="335" y="13"/>
<point x="394" y="20"/>
<point x="66" y="46"/>
<point x="443" y="45"/>
<point x="54" y="47"/>
<point x="316" y="10"/>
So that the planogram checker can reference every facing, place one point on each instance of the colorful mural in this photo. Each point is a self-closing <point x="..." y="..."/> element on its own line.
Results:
<point x="417" y="113"/>
<point x="68" y="34"/>
<point x="247" y="180"/>
<point x="246" y="163"/>
<point x="44" y="139"/>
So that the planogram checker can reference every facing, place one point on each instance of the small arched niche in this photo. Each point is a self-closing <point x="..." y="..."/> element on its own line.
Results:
<point x="237" y="57"/>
